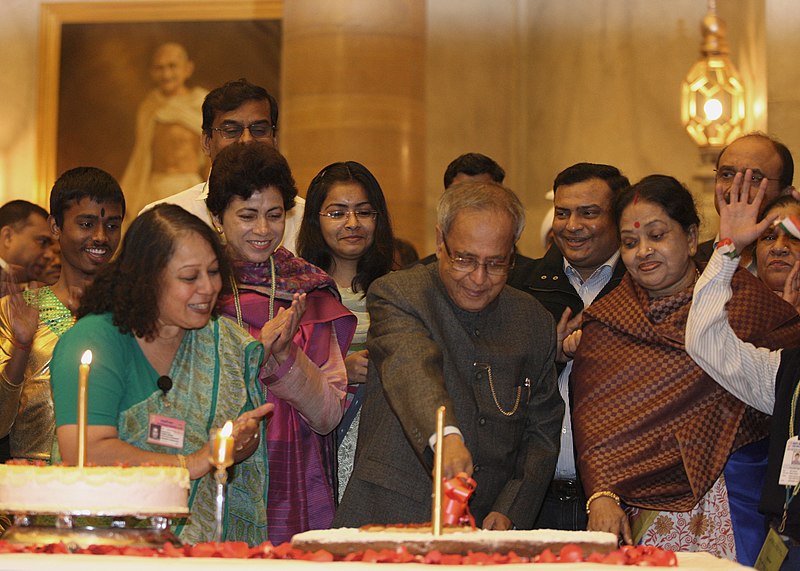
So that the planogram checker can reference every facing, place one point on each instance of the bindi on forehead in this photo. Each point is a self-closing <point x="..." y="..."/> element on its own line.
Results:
<point x="636" y="224"/>
<point x="102" y="212"/>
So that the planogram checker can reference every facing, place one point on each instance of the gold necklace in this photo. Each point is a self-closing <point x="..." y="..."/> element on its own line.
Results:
<point x="238" y="304"/>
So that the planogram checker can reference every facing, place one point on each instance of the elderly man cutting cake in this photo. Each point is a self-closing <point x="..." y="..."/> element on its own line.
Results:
<point x="451" y="334"/>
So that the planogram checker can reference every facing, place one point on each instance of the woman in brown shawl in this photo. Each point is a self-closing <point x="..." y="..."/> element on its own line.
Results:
<point x="653" y="431"/>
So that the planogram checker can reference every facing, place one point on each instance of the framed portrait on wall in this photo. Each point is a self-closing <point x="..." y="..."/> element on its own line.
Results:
<point x="122" y="84"/>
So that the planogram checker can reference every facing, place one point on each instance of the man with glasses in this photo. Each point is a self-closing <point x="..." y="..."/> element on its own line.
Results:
<point x="767" y="158"/>
<point x="477" y="167"/>
<point x="582" y="265"/>
<point x="237" y="112"/>
<point x="452" y="334"/>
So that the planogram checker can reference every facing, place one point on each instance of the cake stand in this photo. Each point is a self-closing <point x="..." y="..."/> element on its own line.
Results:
<point x="82" y="528"/>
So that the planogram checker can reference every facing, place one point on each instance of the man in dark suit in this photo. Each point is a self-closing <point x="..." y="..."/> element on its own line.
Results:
<point x="452" y="334"/>
<point x="583" y="264"/>
<point x="767" y="158"/>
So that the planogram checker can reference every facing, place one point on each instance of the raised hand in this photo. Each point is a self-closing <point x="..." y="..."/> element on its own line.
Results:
<point x="738" y="217"/>
<point x="278" y="333"/>
<point x="24" y="318"/>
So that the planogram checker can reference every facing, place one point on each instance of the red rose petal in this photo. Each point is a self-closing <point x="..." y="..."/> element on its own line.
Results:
<point x="545" y="556"/>
<point x="203" y="550"/>
<point x="571" y="553"/>
<point x="233" y="550"/>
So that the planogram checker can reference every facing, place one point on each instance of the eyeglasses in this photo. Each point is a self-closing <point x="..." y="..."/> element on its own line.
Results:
<point x="361" y="215"/>
<point x="726" y="175"/>
<point x="468" y="265"/>
<point x="258" y="130"/>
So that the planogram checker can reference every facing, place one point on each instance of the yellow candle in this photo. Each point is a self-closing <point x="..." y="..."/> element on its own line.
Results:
<point x="83" y="386"/>
<point x="438" y="466"/>
<point x="222" y="447"/>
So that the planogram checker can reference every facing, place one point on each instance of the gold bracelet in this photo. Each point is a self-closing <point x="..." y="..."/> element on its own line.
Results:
<point x="603" y="494"/>
<point x="182" y="461"/>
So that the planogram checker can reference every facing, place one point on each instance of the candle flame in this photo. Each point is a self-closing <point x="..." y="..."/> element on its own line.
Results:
<point x="227" y="430"/>
<point x="87" y="357"/>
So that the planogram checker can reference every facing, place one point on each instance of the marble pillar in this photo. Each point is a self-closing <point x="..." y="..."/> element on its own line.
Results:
<point x="353" y="88"/>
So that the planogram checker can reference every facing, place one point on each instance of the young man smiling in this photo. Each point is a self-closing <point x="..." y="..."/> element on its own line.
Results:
<point x="86" y="211"/>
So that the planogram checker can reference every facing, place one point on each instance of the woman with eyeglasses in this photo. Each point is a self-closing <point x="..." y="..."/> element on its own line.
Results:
<point x="346" y="231"/>
<point x="293" y="308"/>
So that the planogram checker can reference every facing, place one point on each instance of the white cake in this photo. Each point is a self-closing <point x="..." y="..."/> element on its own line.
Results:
<point x="100" y="490"/>
<point x="419" y="540"/>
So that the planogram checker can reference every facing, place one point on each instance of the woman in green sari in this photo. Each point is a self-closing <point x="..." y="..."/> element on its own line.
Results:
<point x="166" y="371"/>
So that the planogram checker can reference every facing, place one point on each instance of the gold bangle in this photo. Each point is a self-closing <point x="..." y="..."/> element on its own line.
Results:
<point x="603" y="494"/>
<point x="182" y="461"/>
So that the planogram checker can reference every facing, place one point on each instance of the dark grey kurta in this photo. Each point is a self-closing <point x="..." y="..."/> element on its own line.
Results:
<point x="423" y="352"/>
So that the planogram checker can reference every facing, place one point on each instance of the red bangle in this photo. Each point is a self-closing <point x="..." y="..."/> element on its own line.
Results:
<point x="20" y="346"/>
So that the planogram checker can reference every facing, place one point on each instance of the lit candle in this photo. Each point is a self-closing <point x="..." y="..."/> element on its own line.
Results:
<point x="83" y="386"/>
<point x="222" y="447"/>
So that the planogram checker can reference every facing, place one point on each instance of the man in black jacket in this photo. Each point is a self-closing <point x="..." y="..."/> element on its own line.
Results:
<point x="582" y="265"/>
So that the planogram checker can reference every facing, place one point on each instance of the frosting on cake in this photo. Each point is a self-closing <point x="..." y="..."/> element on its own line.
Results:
<point x="99" y="490"/>
<point x="419" y="540"/>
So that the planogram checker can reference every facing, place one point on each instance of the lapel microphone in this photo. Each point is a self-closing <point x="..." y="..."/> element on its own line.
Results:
<point x="164" y="383"/>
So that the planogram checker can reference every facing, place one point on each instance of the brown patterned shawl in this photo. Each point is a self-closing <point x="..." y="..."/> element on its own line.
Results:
<point x="649" y="424"/>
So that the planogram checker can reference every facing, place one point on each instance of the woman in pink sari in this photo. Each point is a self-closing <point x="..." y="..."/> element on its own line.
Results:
<point x="250" y="190"/>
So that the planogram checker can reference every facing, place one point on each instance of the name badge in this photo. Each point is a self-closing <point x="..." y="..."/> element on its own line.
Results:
<point x="772" y="553"/>
<point x="166" y="431"/>
<point x="790" y="468"/>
